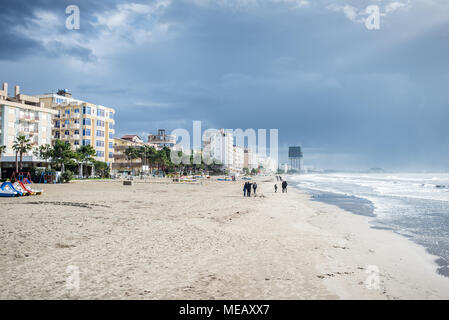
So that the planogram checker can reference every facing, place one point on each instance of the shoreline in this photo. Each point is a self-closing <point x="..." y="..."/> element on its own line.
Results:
<point x="359" y="205"/>
<point x="202" y="241"/>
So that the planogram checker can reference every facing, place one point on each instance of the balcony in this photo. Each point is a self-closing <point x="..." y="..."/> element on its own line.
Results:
<point x="75" y="137"/>
<point x="28" y="131"/>
<point x="75" y="126"/>
<point x="75" y="116"/>
<point x="25" y="117"/>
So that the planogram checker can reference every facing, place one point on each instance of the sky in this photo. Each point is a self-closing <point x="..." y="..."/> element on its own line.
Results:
<point x="353" y="98"/>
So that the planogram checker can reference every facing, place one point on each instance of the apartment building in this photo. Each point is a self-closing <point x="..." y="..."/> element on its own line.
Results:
<point x="162" y="139"/>
<point x="250" y="159"/>
<point x="219" y="145"/>
<point x="22" y="114"/>
<point x="121" y="162"/>
<point x="81" y="123"/>
<point x="238" y="158"/>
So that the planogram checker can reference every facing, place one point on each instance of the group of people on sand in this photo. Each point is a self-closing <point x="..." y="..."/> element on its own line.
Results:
<point x="248" y="186"/>
<point x="284" y="185"/>
<point x="247" y="189"/>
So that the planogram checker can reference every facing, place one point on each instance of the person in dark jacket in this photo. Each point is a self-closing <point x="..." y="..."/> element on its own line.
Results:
<point x="244" y="189"/>
<point x="275" y="188"/>
<point x="248" y="190"/>
<point x="284" y="186"/>
<point x="254" y="188"/>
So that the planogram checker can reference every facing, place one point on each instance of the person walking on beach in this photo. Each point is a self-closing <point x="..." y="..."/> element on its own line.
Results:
<point x="284" y="186"/>
<point x="275" y="188"/>
<point x="248" y="190"/>
<point x="254" y="188"/>
<point x="245" y="186"/>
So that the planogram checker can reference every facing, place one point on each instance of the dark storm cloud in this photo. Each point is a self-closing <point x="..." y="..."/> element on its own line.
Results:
<point x="353" y="98"/>
<point x="16" y="14"/>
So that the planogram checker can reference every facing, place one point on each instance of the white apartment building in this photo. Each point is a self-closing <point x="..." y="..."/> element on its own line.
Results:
<point x="250" y="159"/>
<point x="23" y="115"/>
<point x="268" y="165"/>
<point x="219" y="144"/>
<point x="238" y="158"/>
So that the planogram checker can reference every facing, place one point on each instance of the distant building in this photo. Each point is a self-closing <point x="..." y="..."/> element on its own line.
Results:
<point x="238" y="158"/>
<point x="249" y="159"/>
<point x="219" y="145"/>
<point x="267" y="165"/>
<point x="23" y="115"/>
<point x="121" y="163"/>
<point x="161" y="140"/>
<point x="81" y="123"/>
<point x="295" y="158"/>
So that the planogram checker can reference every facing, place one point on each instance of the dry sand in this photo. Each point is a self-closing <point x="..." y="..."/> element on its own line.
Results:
<point x="201" y="241"/>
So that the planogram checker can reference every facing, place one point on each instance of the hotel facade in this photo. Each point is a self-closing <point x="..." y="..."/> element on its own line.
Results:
<point x="23" y="115"/>
<point x="81" y="123"/>
<point x="121" y="162"/>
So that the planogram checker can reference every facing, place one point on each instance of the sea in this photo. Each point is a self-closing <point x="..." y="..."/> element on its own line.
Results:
<point x="414" y="205"/>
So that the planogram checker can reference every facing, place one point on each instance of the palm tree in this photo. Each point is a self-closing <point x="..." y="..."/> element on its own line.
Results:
<point x="21" y="145"/>
<point x="146" y="154"/>
<point x="44" y="152"/>
<point x="62" y="153"/>
<point x="2" y="151"/>
<point x="162" y="158"/>
<point x="131" y="153"/>
<point x="85" y="155"/>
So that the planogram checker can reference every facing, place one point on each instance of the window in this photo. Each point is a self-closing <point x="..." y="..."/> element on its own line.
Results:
<point x="87" y="122"/>
<point x="110" y="135"/>
<point x="100" y="143"/>
<point x="67" y="132"/>
<point x="111" y="155"/>
<point x="67" y="122"/>
<point x="110" y="145"/>
<point x="111" y="115"/>
<point x="86" y="142"/>
<point x="67" y="111"/>
<point x="77" y="132"/>
<point x="86" y="110"/>
<point x="76" y="143"/>
<point x="100" y="113"/>
<point x="100" y="154"/>
<point x="100" y="133"/>
<point x="111" y="126"/>
<point x="100" y="123"/>
<point x="86" y="132"/>
<point x="58" y="124"/>
<point x="77" y="121"/>
<point x="77" y="110"/>
<point x="57" y="135"/>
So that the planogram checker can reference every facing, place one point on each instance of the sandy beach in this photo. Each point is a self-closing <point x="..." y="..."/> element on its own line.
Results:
<point x="157" y="240"/>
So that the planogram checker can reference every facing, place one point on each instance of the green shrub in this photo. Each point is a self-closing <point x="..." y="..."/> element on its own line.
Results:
<point x="67" y="176"/>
